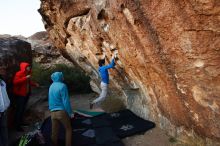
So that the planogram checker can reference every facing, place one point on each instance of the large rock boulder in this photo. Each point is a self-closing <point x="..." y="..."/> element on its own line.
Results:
<point x="169" y="56"/>
<point x="44" y="52"/>
<point x="13" y="51"/>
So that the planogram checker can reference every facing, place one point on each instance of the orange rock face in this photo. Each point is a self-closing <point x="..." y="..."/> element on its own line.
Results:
<point x="169" y="55"/>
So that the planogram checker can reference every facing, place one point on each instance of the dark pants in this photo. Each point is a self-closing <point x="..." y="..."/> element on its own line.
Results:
<point x="21" y="102"/>
<point x="3" y="130"/>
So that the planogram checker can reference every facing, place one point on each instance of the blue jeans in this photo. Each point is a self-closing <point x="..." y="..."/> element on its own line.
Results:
<point x="3" y="130"/>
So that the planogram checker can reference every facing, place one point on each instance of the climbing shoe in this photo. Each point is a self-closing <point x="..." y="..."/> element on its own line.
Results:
<point x="91" y="105"/>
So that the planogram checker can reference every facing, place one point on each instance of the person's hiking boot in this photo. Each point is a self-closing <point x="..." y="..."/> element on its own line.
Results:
<point x="91" y="105"/>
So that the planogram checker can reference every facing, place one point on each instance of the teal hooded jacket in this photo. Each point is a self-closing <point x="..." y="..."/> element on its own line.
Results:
<point x="58" y="94"/>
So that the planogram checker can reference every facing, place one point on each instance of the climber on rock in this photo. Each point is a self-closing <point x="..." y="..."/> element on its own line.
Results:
<point x="103" y="71"/>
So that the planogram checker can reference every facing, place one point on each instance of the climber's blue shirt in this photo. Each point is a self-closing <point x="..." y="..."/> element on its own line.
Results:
<point x="58" y="94"/>
<point x="103" y="71"/>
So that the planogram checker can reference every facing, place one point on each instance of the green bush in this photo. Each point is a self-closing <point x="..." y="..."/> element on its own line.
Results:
<point x="75" y="79"/>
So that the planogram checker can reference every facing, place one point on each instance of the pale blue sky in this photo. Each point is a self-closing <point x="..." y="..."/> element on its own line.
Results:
<point x="20" y="17"/>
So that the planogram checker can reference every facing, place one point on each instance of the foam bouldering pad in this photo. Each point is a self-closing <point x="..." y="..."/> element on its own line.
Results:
<point x="125" y="123"/>
<point x="83" y="137"/>
<point x="82" y="123"/>
<point x="105" y="135"/>
<point x="87" y="113"/>
<point x="100" y="121"/>
<point x="106" y="129"/>
<point x="83" y="133"/>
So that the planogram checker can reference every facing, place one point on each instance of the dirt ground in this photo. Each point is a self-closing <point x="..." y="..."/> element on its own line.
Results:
<point x="38" y="110"/>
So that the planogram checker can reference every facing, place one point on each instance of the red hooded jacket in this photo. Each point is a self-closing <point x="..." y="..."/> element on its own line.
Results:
<point x="21" y="82"/>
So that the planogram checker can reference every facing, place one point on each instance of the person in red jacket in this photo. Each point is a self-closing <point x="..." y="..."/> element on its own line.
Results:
<point x="21" y="89"/>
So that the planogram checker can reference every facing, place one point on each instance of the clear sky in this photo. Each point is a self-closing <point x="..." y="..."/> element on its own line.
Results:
<point x="20" y="17"/>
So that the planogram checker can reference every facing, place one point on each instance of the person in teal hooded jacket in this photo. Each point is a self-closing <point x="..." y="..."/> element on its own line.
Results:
<point x="60" y="107"/>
